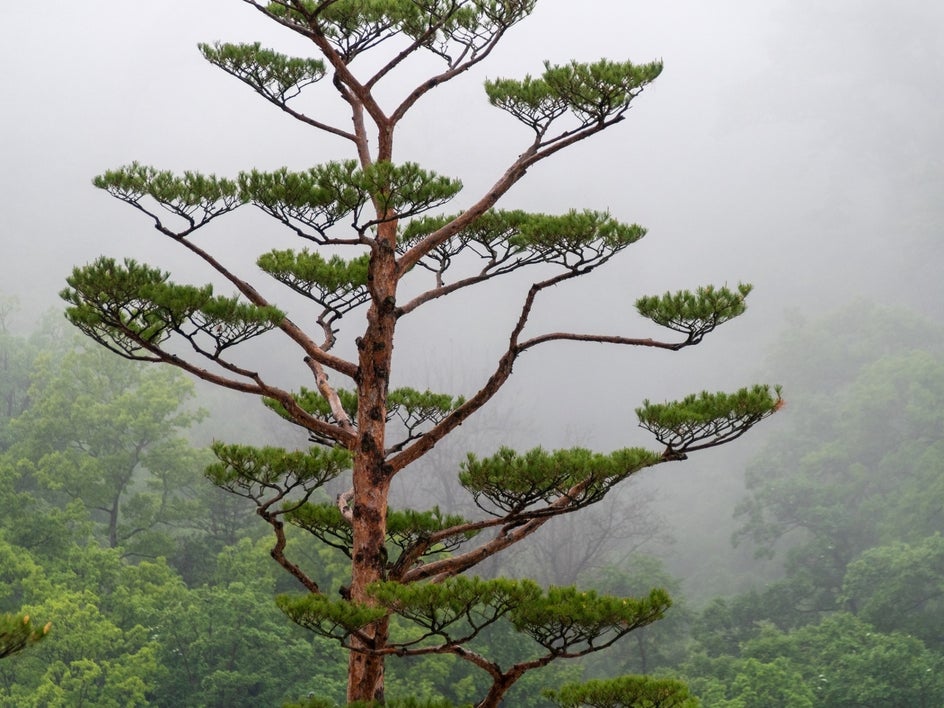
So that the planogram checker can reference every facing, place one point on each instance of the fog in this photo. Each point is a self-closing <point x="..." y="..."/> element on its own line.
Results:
<point x="793" y="145"/>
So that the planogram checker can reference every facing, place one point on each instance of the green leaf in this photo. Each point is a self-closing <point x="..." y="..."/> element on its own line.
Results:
<point x="576" y="238"/>
<point x="457" y="607"/>
<point x="695" y="314"/>
<point x="18" y="632"/>
<point x="492" y="231"/>
<point x="328" y="618"/>
<point x="405" y="190"/>
<point x="276" y="76"/>
<point x="194" y="197"/>
<point x="317" y="198"/>
<point x="566" y="618"/>
<point x="108" y="303"/>
<point x="336" y="284"/>
<point x="415" y="408"/>
<point x="624" y="692"/>
<point x="355" y="26"/>
<point x="508" y="240"/>
<point x="593" y="92"/>
<point x="529" y="100"/>
<point x="707" y="419"/>
<point x="512" y="482"/>
<point x="311" y="401"/>
<point x="129" y="307"/>
<point x="405" y="528"/>
<point x="320" y="197"/>
<point x="324" y="522"/>
<point x="249" y="471"/>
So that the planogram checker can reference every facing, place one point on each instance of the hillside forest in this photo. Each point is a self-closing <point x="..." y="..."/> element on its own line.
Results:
<point x="160" y="590"/>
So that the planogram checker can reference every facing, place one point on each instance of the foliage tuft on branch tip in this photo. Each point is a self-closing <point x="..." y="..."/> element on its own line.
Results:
<point x="132" y="309"/>
<point x="335" y="619"/>
<point x="455" y="31"/>
<point x="272" y="472"/>
<point x="695" y="314"/>
<point x="312" y="402"/>
<point x="316" y="199"/>
<point x="567" y="620"/>
<point x="594" y="93"/>
<point x="17" y="632"/>
<point x="336" y="284"/>
<point x="193" y="197"/>
<point x="492" y="231"/>
<point x="406" y="529"/>
<point x="277" y="77"/>
<point x="413" y="408"/>
<point x="513" y="482"/>
<point x="564" y="620"/>
<point x="456" y="609"/>
<point x="707" y="419"/>
<point x="575" y="231"/>
<point x="624" y="692"/>
<point x="509" y="240"/>
<point x="320" y="197"/>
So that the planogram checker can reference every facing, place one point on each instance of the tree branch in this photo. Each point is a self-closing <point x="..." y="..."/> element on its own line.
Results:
<point x="286" y="325"/>
<point x="498" y="378"/>
<point x="603" y="339"/>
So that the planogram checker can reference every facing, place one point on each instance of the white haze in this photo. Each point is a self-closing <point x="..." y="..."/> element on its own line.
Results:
<point x="792" y="144"/>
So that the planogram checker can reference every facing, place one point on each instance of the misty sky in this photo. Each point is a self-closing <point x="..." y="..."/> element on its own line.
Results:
<point x="794" y="144"/>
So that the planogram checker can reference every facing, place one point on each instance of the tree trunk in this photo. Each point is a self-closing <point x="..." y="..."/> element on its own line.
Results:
<point x="493" y="699"/>
<point x="641" y="644"/>
<point x="372" y="475"/>
<point x="366" y="671"/>
<point x="113" y="523"/>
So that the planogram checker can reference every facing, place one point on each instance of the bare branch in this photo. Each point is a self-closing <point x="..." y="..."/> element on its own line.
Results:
<point x="603" y="339"/>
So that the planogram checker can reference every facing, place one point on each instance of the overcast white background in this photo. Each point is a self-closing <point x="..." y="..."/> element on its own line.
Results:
<point x="792" y="144"/>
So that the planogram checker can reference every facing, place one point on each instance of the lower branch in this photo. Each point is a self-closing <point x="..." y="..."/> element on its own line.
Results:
<point x="278" y="552"/>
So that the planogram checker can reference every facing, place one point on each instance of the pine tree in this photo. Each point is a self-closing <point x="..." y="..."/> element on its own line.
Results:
<point x="371" y="224"/>
<point x="18" y="632"/>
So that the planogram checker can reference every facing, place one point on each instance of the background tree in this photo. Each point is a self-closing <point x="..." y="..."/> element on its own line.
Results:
<point x="861" y="467"/>
<point x="107" y="433"/>
<point x="841" y="661"/>
<point x="572" y="549"/>
<point x="657" y="647"/>
<point x="378" y="250"/>
<point x="17" y="354"/>
<point x="132" y="632"/>
<point x="848" y="498"/>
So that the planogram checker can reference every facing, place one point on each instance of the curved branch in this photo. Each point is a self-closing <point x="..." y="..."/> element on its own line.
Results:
<point x="278" y="553"/>
<point x="330" y="394"/>
<point x="515" y="528"/>
<point x="444" y="290"/>
<point x="311" y="121"/>
<point x="431" y="83"/>
<point x="298" y="415"/>
<point x="297" y="335"/>
<point x="536" y="152"/>
<point x="604" y="339"/>
<point x="498" y="379"/>
<point x="342" y="73"/>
